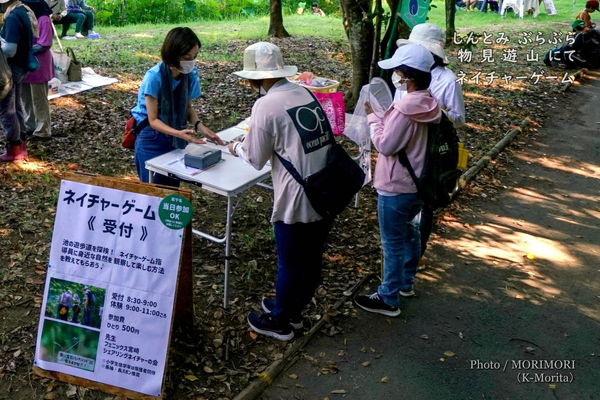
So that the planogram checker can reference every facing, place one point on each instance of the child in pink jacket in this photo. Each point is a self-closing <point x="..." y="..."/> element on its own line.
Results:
<point x="403" y="127"/>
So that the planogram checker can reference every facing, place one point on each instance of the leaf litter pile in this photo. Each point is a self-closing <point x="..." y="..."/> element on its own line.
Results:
<point x="220" y="356"/>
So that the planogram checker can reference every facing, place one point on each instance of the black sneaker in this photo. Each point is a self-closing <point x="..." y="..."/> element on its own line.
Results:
<point x="265" y="324"/>
<point x="374" y="304"/>
<point x="268" y="304"/>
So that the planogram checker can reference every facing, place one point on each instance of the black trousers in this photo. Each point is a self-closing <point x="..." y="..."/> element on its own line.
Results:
<point x="67" y="20"/>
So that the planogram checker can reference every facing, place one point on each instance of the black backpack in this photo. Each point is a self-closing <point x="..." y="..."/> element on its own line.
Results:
<point x="91" y="299"/>
<point x="440" y="174"/>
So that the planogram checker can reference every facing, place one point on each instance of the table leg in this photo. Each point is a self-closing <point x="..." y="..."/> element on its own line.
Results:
<point x="227" y="252"/>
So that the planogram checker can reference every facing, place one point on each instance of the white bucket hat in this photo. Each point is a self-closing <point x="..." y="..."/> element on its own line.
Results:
<point x="263" y="60"/>
<point x="412" y="55"/>
<point x="430" y="36"/>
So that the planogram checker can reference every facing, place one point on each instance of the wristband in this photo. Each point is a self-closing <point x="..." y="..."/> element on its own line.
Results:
<point x="196" y="125"/>
<point x="235" y="148"/>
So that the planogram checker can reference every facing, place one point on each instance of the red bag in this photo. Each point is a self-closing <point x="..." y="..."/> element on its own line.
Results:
<point x="335" y="109"/>
<point x="128" y="140"/>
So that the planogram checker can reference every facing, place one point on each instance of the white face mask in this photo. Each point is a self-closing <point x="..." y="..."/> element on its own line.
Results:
<point x="187" y="66"/>
<point x="399" y="82"/>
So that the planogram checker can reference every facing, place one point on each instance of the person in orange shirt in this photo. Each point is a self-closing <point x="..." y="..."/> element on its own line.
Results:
<point x="590" y="7"/>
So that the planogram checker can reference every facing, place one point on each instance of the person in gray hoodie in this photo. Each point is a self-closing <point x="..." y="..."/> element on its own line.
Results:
<point x="403" y="127"/>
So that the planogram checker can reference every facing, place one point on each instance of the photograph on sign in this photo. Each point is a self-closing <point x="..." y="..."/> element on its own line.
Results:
<point x="75" y="302"/>
<point x="70" y="345"/>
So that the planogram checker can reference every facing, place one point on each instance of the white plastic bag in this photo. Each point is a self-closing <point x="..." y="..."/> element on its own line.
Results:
<point x="61" y="60"/>
<point x="53" y="86"/>
<point x="61" y="65"/>
<point x="378" y="94"/>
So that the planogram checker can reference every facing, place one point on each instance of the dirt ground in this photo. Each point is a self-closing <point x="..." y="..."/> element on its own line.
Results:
<point x="512" y="278"/>
<point x="218" y="358"/>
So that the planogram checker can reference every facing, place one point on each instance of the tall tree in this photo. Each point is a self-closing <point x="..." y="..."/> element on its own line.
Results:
<point x="360" y="30"/>
<point x="276" y="27"/>
<point x="450" y="17"/>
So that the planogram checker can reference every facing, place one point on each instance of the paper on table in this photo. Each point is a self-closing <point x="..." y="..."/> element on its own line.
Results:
<point x="178" y="165"/>
<point x="235" y="132"/>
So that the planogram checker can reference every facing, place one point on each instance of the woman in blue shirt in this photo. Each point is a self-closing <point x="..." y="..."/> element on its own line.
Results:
<point x="164" y="105"/>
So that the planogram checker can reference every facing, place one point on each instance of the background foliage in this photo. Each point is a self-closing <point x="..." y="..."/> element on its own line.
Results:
<point x="122" y="12"/>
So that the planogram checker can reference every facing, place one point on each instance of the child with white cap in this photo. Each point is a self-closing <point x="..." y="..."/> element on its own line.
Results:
<point x="446" y="90"/>
<point x="403" y="127"/>
<point x="287" y="125"/>
<point x="444" y="86"/>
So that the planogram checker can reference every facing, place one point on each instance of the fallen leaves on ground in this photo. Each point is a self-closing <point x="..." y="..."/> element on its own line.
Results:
<point x="220" y="355"/>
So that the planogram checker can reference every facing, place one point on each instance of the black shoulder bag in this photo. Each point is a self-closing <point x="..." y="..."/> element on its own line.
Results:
<point x="331" y="189"/>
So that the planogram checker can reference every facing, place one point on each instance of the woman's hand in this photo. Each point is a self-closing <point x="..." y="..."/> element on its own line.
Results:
<point x="188" y="134"/>
<point x="213" y="136"/>
<point x="368" y="108"/>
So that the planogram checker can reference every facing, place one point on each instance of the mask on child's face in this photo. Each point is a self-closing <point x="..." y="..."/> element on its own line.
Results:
<point x="187" y="66"/>
<point x="399" y="82"/>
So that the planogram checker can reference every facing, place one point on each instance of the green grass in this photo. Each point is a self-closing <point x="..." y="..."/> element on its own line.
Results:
<point x="128" y="47"/>
<point x="490" y="21"/>
<point x="135" y="47"/>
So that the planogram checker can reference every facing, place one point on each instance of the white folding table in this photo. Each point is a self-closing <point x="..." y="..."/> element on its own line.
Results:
<point x="229" y="177"/>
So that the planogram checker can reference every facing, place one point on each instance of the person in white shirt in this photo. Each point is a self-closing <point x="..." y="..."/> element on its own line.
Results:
<point x="287" y="122"/>
<point x="446" y="90"/>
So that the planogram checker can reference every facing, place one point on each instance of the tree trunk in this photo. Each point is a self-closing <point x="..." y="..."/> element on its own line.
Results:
<point x="450" y="17"/>
<point x="359" y="29"/>
<point x="276" y="28"/>
<point x="378" y="15"/>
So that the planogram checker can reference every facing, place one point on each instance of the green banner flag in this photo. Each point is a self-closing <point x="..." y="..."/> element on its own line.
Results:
<point x="414" y="12"/>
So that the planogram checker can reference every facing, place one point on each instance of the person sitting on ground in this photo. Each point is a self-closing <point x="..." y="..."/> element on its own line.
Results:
<point x="34" y="95"/>
<point x="164" y="103"/>
<point x="16" y="37"/>
<point x="61" y="16"/>
<point x="316" y="10"/>
<point x="283" y="130"/>
<point x="586" y="44"/>
<point x="492" y="3"/>
<point x="471" y="4"/>
<point x="582" y="51"/>
<point x="590" y="7"/>
<point x="85" y="27"/>
<point x="403" y="127"/>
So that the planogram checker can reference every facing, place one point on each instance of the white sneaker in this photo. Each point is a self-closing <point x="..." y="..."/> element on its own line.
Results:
<point x="78" y="35"/>
<point x="69" y="38"/>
